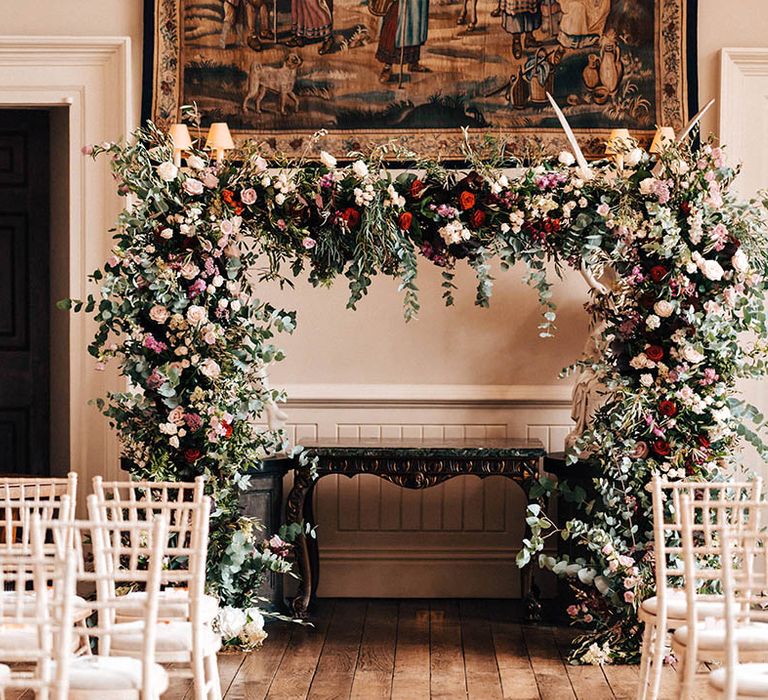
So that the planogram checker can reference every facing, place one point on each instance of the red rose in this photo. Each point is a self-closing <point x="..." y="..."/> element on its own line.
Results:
<point x="704" y="441"/>
<point x="351" y="217"/>
<point x="477" y="219"/>
<point x="655" y="353"/>
<point x="667" y="408"/>
<point x="466" y="200"/>
<point x="662" y="448"/>
<point x="227" y="429"/>
<point x="192" y="454"/>
<point x="405" y="220"/>
<point x="685" y="207"/>
<point x="416" y="188"/>
<point x="658" y="272"/>
<point x="229" y="198"/>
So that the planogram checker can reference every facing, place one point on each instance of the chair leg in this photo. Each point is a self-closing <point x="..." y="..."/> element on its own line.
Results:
<point x="657" y="665"/>
<point x="688" y="673"/>
<point x="212" y="673"/>
<point x="645" y="660"/>
<point x="198" y="676"/>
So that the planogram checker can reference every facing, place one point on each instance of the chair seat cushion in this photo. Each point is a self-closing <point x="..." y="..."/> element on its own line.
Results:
<point x="18" y="641"/>
<point x="29" y="605"/>
<point x="751" y="680"/>
<point x="112" y="673"/>
<point x="173" y="604"/>
<point x="173" y="636"/>
<point x="711" y="636"/>
<point x="677" y="606"/>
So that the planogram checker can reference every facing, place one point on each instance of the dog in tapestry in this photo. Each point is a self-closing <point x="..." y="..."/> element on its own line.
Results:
<point x="281" y="81"/>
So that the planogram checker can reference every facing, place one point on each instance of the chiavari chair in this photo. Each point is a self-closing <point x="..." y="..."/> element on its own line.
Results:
<point x="102" y="675"/>
<point x="181" y="641"/>
<point x="667" y="609"/>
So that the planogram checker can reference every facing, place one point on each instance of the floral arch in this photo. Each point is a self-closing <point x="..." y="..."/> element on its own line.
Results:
<point x="680" y="323"/>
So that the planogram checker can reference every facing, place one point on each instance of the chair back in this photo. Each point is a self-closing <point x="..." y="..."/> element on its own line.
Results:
<point x="16" y="516"/>
<point x="186" y="548"/>
<point x="667" y="523"/>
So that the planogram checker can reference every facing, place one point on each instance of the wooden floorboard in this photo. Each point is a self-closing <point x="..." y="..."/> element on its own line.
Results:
<point x="480" y="667"/>
<point x="376" y="661"/>
<point x="446" y="655"/>
<point x="339" y="658"/>
<point x="411" y="679"/>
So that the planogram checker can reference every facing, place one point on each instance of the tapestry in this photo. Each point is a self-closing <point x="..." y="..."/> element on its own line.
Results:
<point x="414" y="72"/>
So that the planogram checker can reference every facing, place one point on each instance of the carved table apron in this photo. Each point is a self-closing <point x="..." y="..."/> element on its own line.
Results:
<point x="413" y="464"/>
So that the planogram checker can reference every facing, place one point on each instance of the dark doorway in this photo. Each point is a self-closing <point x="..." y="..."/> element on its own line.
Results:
<point x="24" y="292"/>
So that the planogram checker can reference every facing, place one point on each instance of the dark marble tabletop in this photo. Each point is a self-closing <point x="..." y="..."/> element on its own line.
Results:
<point x="432" y="447"/>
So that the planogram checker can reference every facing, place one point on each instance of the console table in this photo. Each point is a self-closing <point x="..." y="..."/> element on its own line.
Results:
<point x="413" y="464"/>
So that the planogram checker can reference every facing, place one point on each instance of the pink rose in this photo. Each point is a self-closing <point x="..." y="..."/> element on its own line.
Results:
<point x="629" y="597"/>
<point x="210" y="180"/>
<point x="193" y="186"/>
<point x="572" y="610"/>
<point x="603" y="210"/>
<point x="248" y="196"/>
<point x="308" y="243"/>
<point x="87" y="150"/>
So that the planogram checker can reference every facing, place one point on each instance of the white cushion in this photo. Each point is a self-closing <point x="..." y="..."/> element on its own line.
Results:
<point x="112" y="673"/>
<point x="172" y="604"/>
<point x="711" y="636"/>
<point x="173" y="636"/>
<point x="29" y="605"/>
<point x="751" y="680"/>
<point x="18" y="639"/>
<point x="677" y="606"/>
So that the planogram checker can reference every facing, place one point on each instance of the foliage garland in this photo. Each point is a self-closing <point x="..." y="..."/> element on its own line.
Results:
<point x="682" y="322"/>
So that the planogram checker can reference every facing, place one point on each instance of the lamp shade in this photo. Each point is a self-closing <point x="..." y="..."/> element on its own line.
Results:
<point x="615" y="139"/>
<point x="180" y="137"/>
<point x="663" y="137"/>
<point x="219" y="137"/>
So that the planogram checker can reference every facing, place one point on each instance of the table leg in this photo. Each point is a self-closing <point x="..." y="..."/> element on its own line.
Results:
<point x="294" y="513"/>
<point x="312" y="544"/>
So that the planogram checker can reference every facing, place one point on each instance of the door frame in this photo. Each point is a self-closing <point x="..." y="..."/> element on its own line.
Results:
<point x="91" y="78"/>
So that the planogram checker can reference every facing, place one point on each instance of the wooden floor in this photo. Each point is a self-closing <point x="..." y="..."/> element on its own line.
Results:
<point x="420" y="649"/>
<point x="411" y="650"/>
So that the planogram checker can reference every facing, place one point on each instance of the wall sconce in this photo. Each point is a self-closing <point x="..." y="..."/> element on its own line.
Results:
<point x="219" y="139"/>
<point x="181" y="141"/>
<point x="665" y="135"/>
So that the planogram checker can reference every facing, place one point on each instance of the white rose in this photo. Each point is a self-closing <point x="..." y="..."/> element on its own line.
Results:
<point x="197" y="315"/>
<point x="210" y="368"/>
<point x="647" y="186"/>
<point x="230" y="622"/>
<point x="166" y="233"/>
<point x="664" y="308"/>
<point x="360" y="169"/>
<point x="652" y="322"/>
<point x="679" y="167"/>
<point x="261" y="164"/>
<point x="195" y="162"/>
<point x="279" y="198"/>
<point x="218" y="280"/>
<point x="740" y="261"/>
<point x="566" y="158"/>
<point x="711" y="269"/>
<point x="646" y="379"/>
<point x="634" y="157"/>
<point x="159" y="314"/>
<point x="167" y="171"/>
<point x="189" y="270"/>
<point x="235" y="305"/>
<point x="327" y="160"/>
<point x="692" y="355"/>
